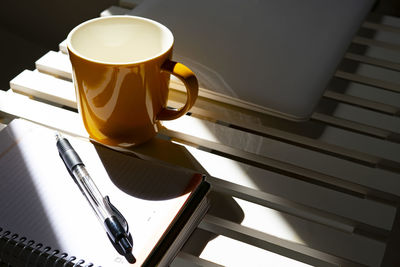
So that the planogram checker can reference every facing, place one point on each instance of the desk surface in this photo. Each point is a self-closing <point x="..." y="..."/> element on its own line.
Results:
<point x="323" y="192"/>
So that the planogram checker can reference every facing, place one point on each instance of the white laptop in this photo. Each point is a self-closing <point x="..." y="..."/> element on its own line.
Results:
<point x="273" y="56"/>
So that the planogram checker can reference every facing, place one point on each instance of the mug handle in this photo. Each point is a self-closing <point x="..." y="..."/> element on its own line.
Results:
<point x="192" y="89"/>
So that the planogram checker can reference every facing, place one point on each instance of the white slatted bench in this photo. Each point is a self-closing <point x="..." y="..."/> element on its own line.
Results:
<point x="323" y="192"/>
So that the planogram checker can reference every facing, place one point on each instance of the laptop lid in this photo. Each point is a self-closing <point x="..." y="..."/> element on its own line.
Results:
<point x="275" y="57"/>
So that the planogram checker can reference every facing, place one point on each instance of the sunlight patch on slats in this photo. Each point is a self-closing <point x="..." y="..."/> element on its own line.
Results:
<point x="241" y="254"/>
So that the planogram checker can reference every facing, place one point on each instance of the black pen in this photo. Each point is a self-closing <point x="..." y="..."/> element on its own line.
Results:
<point x="112" y="220"/>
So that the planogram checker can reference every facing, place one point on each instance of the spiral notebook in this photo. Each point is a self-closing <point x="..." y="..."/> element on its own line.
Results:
<point x="46" y="221"/>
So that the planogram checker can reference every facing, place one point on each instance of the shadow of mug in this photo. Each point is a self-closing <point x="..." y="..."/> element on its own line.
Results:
<point x="141" y="165"/>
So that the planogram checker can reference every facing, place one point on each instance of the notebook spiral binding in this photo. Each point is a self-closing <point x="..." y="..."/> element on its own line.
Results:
<point x="20" y="252"/>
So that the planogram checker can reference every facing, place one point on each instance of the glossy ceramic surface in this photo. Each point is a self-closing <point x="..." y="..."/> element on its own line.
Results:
<point x="122" y="94"/>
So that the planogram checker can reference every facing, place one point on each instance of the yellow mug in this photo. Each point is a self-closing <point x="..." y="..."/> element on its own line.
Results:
<point x="121" y="68"/>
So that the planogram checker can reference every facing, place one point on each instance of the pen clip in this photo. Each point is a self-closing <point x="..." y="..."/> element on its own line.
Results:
<point x="117" y="214"/>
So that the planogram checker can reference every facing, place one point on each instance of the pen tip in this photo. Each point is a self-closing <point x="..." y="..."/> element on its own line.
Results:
<point x="58" y="136"/>
<point x="130" y="258"/>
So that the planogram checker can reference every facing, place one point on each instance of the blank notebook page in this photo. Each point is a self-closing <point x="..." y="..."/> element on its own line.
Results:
<point x="40" y="200"/>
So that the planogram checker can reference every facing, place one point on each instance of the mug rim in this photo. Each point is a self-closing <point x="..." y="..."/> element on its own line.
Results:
<point x="76" y="28"/>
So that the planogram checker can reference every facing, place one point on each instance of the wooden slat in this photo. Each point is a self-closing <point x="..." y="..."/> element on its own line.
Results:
<point x="384" y="19"/>
<point x="229" y="231"/>
<point x="183" y="259"/>
<point x="371" y="71"/>
<point x="283" y="193"/>
<point x="281" y="204"/>
<point x="363" y="103"/>
<point x="63" y="47"/>
<point x="54" y="63"/>
<point x="44" y="87"/>
<point x="368" y="81"/>
<point x="365" y="121"/>
<point x="380" y="27"/>
<point x="356" y="127"/>
<point x="373" y="61"/>
<point x="287" y="137"/>
<point x="274" y="154"/>
<point x="319" y="145"/>
<point x="297" y="251"/>
<point x="269" y="163"/>
<point x="372" y="42"/>
<point x="41" y="113"/>
<point x="388" y="37"/>
<point x="228" y="257"/>
<point x="222" y="100"/>
<point x="363" y="91"/>
<point x="292" y="170"/>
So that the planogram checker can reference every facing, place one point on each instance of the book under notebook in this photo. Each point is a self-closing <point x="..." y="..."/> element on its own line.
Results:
<point x="40" y="201"/>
